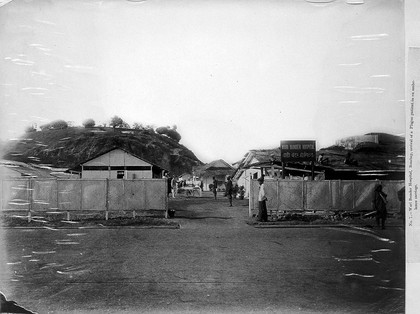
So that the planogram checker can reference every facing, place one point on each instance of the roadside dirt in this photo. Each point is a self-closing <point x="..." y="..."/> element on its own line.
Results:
<point x="214" y="263"/>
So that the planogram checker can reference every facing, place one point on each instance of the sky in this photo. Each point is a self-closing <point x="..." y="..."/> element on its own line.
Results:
<point x="231" y="75"/>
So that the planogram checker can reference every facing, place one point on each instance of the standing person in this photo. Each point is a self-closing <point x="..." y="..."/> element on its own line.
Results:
<point x="379" y="204"/>
<point x="168" y="181"/>
<point x="229" y="190"/>
<point x="174" y="186"/>
<point x="215" y="187"/>
<point x="262" y="199"/>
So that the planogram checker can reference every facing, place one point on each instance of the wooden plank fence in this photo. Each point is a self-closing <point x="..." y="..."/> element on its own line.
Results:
<point x="75" y="195"/>
<point x="322" y="196"/>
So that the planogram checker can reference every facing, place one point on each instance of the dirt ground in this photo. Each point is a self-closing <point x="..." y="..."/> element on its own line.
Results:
<point x="214" y="263"/>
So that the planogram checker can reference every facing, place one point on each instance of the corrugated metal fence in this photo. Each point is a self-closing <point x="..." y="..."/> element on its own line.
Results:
<point x="350" y="196"/>
<point x="43" y="195"/>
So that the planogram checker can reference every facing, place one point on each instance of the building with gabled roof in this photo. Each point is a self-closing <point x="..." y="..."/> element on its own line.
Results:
<point x="219" y="169"/>
<point x="118" y="163"/>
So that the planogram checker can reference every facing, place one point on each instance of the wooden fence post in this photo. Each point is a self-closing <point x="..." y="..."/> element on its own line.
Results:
<point x="134" y="209"/>
<point x="125" y="198"/>
<point x="166" y="198"/>
<point x="330" y="197"/>
<point x="30" y="196"/>
<point x="340" y="195"/>
<point x="278" y="197"/>
<point x="81" y="200"/>
<point x="146" y="203"/>
<point x="57" y="194"/>
<point x="106" y="198"/>
<point x="303" y="195"/>
<point x="251" y="199"/>
<point x="134" y="213"/>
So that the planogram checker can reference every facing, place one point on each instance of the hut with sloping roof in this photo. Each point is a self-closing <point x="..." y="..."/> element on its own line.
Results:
<point x="219" y="169"/>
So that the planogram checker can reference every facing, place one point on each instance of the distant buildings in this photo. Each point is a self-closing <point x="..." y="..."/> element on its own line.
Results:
<point x="219" y="169"/>
<point x="375" y="156"/>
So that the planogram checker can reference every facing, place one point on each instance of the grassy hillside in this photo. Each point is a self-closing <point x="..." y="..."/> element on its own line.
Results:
<point x="72" y="146"/>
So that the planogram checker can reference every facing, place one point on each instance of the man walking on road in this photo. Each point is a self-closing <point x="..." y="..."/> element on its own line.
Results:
<point x="379" y="203"/>
<point x="229" y="190"/>
<point x="215" y="187"/>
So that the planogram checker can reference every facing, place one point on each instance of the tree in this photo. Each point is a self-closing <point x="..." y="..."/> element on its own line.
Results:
<point x="149" y="128"/>
<point x="44" y="127"/>
<point x="117" y="122"/>
<point x="59" y="124"/>
<point x="89" y="123"/>
<point x="55" y="125"/>
<point x="138" y="126"/>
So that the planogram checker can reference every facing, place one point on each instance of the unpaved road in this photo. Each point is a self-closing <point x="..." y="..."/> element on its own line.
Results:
<point x="215" y="263"/>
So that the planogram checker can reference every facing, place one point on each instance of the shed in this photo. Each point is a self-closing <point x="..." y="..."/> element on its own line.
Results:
<point x="118" y="163"/>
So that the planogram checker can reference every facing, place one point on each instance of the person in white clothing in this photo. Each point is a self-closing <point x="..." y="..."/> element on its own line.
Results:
<point x="174" y="186"/>
<point x="262" y="199"/>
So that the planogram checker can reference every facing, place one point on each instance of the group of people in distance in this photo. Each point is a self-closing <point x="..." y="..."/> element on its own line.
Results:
<point x="174" y="184"/>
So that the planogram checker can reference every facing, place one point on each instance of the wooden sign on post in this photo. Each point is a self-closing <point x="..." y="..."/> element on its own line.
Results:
<point x="298" y="151"/>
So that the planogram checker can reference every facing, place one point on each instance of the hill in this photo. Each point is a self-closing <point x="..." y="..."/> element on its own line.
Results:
<point x="68" y="148"/>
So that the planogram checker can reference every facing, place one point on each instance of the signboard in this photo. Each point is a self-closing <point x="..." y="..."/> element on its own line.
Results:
<point x="294" y="151"/>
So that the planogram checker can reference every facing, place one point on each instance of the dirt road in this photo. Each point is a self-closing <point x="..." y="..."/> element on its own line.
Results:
<point x="214" y="263"/>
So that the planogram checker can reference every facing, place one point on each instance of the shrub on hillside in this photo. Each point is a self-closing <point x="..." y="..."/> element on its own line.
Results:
<point x="138" y="126"/>
<point x="117" y="122"/>
<point x="89" y="123"/>
<point x="150" y="128"/>
<point x="55" y="125"/>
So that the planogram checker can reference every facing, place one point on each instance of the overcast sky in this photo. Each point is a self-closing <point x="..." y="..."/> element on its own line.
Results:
<point x="232" y="75"/>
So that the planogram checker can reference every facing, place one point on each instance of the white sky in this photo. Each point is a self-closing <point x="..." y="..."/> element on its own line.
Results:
<point x="232" y="75"/>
